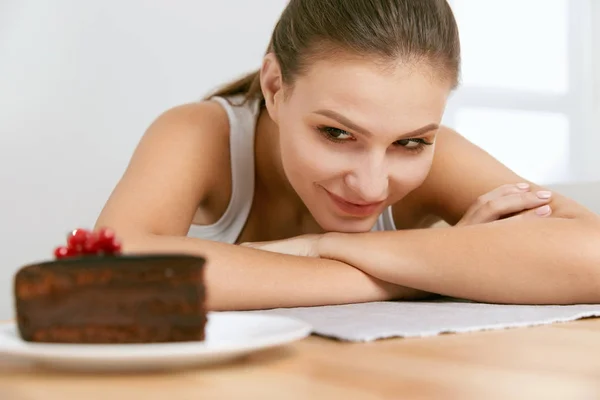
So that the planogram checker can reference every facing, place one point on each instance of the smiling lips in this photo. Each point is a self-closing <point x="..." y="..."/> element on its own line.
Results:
<point x="354" y="209"/>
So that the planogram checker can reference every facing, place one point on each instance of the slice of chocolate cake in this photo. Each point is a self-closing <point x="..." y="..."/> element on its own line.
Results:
<point x="112" y="299"/>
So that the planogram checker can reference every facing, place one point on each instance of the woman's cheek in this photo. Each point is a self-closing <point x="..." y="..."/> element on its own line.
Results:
<point x="408" y="174"/>
<point x="320" y="158"/>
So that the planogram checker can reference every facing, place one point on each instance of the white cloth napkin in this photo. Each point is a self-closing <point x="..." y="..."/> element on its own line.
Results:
<point x="378" y="320"/>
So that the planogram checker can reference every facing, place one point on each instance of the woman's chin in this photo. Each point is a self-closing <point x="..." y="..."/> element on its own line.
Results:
<point x="336" y="224"/>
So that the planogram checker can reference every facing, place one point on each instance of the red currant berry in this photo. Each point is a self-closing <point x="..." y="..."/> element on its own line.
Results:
<point x="77" y="239"/>
<point x="114" y="247"/>
<point x="105" y="238"/>
<point x="92" y="244"/>
<point x="61" y="252"/>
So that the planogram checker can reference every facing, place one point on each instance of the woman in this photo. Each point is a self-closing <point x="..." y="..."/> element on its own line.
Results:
<point x="328" y="163"/>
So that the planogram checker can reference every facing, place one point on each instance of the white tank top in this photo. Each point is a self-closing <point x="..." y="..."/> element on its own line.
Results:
<point x="242" y="123"/>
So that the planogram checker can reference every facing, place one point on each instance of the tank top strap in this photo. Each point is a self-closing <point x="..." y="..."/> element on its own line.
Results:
<point x="242" y="125"/>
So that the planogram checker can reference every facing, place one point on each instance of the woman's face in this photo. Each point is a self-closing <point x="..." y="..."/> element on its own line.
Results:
<point x="356" y="137"/>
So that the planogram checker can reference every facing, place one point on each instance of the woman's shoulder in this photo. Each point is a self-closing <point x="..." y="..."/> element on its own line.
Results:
<point x="204" y="128"/>
<point x="196" y="133"/>
<point x="180" y="165"/>
<point x="461" y="172"/>
<point x="204" y="120"/>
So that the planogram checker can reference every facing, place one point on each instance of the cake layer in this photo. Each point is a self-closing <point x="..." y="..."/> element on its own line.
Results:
<point x="112" y="299"/>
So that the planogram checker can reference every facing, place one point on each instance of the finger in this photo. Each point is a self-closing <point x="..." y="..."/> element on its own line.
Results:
<point x="484" y="199"/>
<point x="503" y="190"/>
<point x="254" y="245"/>
<point x="273" y="246"/>
<point x="511" y="204"/>
<point x="539" y="212"/>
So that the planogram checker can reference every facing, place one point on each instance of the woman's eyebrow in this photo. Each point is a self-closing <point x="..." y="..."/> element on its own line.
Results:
<point x="352" y="126"/>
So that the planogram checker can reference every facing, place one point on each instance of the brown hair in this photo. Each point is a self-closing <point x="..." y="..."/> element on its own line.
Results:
<point x="413" y="30"/>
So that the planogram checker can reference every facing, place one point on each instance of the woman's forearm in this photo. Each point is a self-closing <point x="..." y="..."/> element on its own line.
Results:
<point x="240" y="278"/>
<point x="536" y="261"/>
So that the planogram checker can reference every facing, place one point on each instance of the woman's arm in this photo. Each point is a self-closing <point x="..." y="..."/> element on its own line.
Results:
<point x="182" y="164"/>
<point x="544" y="261"/>
<point x="554" y="259"/>
<point x="241" y="278"/>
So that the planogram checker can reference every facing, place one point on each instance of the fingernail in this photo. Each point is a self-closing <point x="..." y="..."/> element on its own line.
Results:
<point x="544" y="194"/>
<point x="543" y="210"/>
<point x="523" y="185"/>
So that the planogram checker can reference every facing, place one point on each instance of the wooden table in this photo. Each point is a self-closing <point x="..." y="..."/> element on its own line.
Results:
<point x="560" y="361"/>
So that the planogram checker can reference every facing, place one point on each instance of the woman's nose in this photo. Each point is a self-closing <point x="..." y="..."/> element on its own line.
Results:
<point x="369" y="181"/>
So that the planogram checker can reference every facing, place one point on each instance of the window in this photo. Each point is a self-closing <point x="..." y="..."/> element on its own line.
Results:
<point x="525" y="93"/>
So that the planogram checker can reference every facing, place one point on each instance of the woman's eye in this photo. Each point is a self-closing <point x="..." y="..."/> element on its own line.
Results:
<point x="414" y="145"/>
<point x="410" y="143"/>
<point x="335" y="133"/>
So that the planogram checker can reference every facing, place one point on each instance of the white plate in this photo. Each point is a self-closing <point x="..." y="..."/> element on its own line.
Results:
<point x="229" y="335"/>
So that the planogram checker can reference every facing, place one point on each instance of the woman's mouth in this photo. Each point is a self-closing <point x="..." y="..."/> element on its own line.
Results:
<point x="354" y="208"/>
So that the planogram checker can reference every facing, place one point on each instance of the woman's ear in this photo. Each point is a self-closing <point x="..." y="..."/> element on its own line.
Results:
<point x="271" y="83"/>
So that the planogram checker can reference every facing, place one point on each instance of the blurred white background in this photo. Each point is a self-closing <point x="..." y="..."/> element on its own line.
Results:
<point x="81" y="81"/>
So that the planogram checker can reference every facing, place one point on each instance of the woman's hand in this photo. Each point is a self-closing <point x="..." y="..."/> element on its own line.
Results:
<point x="308" y="246"/>
<point x="304" y="245"/>
<point x="514" y="201"/>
